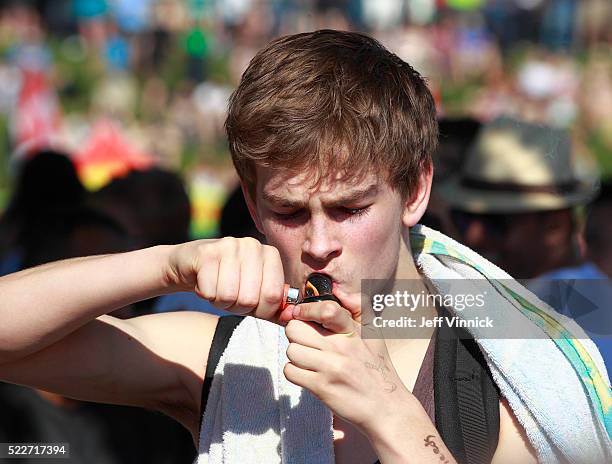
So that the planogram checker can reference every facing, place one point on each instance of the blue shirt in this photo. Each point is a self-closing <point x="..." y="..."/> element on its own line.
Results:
<point x="185" y="301"/>
<point x="583" y="293"/>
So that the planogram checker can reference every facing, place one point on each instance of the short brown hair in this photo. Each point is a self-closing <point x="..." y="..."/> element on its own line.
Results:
<point x="337" y="101"/>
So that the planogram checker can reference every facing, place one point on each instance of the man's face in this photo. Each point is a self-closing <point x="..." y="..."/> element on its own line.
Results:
<point x="514" y="242"/>
<point x="350" y="231"/>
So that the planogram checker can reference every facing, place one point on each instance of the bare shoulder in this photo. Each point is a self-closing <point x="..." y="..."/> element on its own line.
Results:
<point x="513" y="445"/>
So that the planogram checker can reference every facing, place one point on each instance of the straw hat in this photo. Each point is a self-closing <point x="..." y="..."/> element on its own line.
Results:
<point x="514" y="166"/>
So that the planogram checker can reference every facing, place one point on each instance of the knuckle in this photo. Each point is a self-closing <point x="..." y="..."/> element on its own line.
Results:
<point x="291" y="329"/>
<point x="337" y="368"/>
<point x="270" y="298"/>
<point x="342" y="347"/>
<point x="287" y="370"/>
<point x="329" y="313"/>
<point x="248" y="301"/>
<point x="205" y="250"/>
<point x="229" y="243"/>
<point x="226" y="296"/>
<point x="205" y="292"/>
<point x="291" y="348"/>
<point x="271" y="251"/>
<point x="250" y="242"/>
<point x="305" y="311"/>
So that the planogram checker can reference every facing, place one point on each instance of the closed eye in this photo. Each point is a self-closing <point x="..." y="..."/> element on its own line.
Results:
<point x="338" y="213"/>
<point x="357" y="211"/>
<point x="353" y="213"/>
<point x="288" y="216"/>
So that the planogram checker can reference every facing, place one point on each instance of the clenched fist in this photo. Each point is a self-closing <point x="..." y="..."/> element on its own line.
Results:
<point x="240" y="275"/>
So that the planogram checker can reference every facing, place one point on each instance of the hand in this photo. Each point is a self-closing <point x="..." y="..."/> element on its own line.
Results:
<point x="352" y="303"/>
<point x="238" y="274"/>
<point x="328" y="356"/>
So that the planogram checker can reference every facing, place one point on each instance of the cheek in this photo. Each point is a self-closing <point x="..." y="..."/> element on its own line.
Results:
<point x="374" y="246"/>
<point x="287" y="240"/>
<point x="368" y="237"/>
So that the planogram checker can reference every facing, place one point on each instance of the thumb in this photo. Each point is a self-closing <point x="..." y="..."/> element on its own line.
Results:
<point x="356" y="303"/>
<point x="351" y="301"/>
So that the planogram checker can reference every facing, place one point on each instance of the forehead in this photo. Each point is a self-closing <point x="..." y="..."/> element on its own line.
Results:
<point x="301" y="185"/>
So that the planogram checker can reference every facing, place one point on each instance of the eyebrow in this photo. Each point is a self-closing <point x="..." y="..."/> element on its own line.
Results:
<point x="348" y="197"/>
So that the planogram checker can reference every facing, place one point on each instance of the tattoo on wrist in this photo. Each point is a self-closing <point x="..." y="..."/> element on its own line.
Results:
<point x="429" y="442"/>
<point x="384" y="370"/>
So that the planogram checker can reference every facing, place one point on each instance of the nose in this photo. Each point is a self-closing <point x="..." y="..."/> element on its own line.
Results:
<point x="321" y="241"/>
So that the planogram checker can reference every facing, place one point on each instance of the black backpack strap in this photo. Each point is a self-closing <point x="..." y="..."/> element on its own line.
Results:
<point x="466" y="398"/>
<point x="223" y="332"/>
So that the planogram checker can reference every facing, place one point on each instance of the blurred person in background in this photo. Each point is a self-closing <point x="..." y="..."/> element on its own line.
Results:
<point x="97" y="433"/>
<point x="456" y="136"/>
<point x="235" y="218"/>
<point x="515" y="195"/>
<point x="46" y="180"/>
<point x="152" y="205"/>
<point x="599" y="230"/>
<point x="517" y="201"/>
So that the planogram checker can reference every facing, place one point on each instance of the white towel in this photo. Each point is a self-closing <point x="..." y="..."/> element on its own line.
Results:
<point x="254" y="415"/>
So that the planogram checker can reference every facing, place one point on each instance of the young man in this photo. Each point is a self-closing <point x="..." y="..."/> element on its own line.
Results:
<point x="332" y="137"/>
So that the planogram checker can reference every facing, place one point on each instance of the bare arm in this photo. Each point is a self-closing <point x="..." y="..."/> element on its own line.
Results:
<point x="55" y="335"/>
<point x="513" y="445"/>
<point x="155" y="361"/>
<point x="42" y="305"/>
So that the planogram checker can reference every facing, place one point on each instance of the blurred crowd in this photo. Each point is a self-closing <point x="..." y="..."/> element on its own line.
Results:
<point x="111" y="139"/>
<point x="160" y="72"/>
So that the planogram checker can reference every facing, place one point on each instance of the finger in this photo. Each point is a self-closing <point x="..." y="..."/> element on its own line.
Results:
<point x="306" y="357"/>
<point x="350" y="301"/>
<point x="228" y="282"/>
<point x="271" y="292"/>
<point x="286" y="315"/>
<point x="329" y="314"/>
<point x="251" y="270"/>
<point x="306" y="334"/>
<point x="301" y="377"/>
<point x="206" y="281"/>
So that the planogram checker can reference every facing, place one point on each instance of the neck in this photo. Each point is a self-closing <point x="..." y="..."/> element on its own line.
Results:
<point x="566" y="256"/>
<point x="408" y="278"/>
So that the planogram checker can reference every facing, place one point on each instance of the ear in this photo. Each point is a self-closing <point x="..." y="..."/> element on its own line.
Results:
<point x="252" y="208"/>
<point x="416" y="204"/>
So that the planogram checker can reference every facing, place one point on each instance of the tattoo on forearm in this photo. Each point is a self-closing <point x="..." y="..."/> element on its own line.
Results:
<point x="429" y="442"/>
<point x="384" y="371"/>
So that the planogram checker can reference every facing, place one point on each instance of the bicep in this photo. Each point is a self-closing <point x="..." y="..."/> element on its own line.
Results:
<point x="144" y="361"/>
<point x="513" y="445"/>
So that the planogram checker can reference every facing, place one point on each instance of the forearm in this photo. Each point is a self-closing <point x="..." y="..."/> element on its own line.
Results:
<point x="408" y="436"/>
<point x="40" y="306"/>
